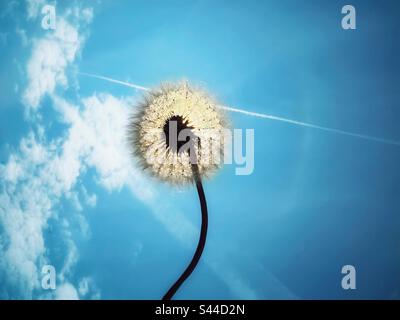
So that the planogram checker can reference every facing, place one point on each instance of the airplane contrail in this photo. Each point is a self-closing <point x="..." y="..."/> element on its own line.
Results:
<point x="127" y="84"/>
<point x="314" y="126"/>
<point x="262" y="115"/>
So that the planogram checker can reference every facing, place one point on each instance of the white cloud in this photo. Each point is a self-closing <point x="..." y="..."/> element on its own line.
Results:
<point x="52" y="54"/>
<point x="72" y="254"/>
<point x="39" y="172"/>
<point x="30" y="192"/>
<point x="12" y="171"/>
<point x="74" y="199"/>
<point x="83" y="287"/>
<point x="34" y="7"/>
<point x="90" y="199"/>
<point x="66" y="292"/>
<point x="24" y="210"/>
<point x="88" y="289"/>
<point x="83" y="14"/>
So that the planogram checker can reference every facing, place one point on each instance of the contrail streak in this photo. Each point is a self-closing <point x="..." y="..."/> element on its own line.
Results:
<point x="314" y="126"/>
<point x="127" y="84"/>
<point x="262" y="115"/>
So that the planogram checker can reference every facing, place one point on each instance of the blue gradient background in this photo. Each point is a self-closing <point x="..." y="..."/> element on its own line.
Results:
<point x="316" y="200"/>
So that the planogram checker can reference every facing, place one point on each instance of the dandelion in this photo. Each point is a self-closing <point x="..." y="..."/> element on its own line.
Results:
<point x="177" y="136"/>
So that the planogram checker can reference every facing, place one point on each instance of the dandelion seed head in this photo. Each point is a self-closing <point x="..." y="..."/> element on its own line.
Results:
<point x="186" y="109"/>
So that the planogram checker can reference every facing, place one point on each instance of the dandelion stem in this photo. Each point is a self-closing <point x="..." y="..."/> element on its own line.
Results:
<point x="202" y="240"/>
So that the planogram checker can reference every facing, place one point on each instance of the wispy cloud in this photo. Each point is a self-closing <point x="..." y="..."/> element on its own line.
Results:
<point x="51" y="55"/>
<point x="40" y="171"/>
<point x="33" y="8"/>
<point x="27" y="201"/>
<point x="88" y="289"/>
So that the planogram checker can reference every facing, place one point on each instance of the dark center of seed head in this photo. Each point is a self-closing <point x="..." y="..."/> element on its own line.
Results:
<point x="172" y="128"/>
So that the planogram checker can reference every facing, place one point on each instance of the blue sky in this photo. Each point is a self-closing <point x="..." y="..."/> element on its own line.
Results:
<point x="71" y="196"/>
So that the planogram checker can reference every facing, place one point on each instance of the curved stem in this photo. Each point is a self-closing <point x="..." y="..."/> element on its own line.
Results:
<point x="202" y="240"/>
